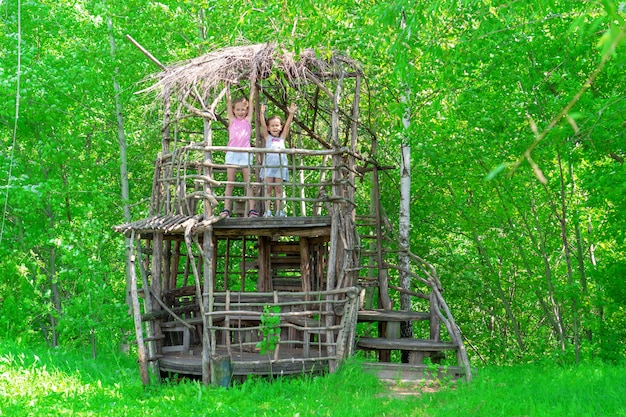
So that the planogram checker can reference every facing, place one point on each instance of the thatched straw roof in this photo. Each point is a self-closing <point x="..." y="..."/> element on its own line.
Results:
<point x="204" y="75"/>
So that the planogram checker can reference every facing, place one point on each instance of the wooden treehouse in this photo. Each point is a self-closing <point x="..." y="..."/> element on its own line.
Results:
<point x="216" y="296"/>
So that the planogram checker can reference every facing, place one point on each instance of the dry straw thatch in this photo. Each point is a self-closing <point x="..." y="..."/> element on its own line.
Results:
<point x="204" y="76"/>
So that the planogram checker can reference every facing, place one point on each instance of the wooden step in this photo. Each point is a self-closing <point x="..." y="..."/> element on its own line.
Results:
<point x="405" y="372"/>
<point x="418" y="345"/>
<point x="391" y="315"/>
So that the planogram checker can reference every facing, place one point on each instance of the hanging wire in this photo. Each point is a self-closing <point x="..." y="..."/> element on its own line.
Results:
<point x="17" y="113"/>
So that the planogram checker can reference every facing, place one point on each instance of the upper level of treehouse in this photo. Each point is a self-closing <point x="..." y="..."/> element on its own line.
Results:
<point x="327" y="149"/>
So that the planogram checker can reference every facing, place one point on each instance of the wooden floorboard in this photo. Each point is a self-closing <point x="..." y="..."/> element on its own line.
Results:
<point x="404" y="372"/>
<point x="421" y="345"/>
<point x="248" y="363"/>
<point x="391" y="315"/>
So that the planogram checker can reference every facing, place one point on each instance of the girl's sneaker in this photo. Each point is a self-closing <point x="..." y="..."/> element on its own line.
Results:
<point x="281" y="214"/>
<point x="268" y="213"/>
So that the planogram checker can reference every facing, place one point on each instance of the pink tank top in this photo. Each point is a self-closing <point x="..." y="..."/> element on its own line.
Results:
<point x="239" y="133"/>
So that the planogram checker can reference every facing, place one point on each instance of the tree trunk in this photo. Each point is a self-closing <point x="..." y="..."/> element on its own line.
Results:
<point x="568" y="260"/>
<point x="500" y="292"/>
<point x="123" y="171"/>
<point x="123" y="148"/>
<point x="406" y="328"/>
<point x="55" y="297"/>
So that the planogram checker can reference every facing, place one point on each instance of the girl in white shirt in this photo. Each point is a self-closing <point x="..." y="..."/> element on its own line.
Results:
<point x="275" y="170"/>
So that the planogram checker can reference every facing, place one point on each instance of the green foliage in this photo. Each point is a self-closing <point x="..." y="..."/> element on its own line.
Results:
<point x="270" y="329"/>
<point x="485" y="80"/>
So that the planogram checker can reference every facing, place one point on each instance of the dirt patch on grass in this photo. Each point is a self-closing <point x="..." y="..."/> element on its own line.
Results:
<point x="410" y="389"/>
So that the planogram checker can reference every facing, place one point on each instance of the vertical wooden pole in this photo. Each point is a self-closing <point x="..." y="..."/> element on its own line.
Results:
<point x="242" y="268"/>
<point x="208" y="254"/>
<point x="435" y="322"/>
<point x="175" y="264"/>
<point x="147" y="297"/>
<point x="156" y="289"/>
<point x="208" y="301"/>
<point x="226" y="261"/>
<point x="167" y="266"/>
<point x="134" y="296"/>
<point x="305" y="264"/>
<point x="263" y="281"/>
<point x="354" y="126"/>
<point x="216" y="250"/>
<point x="383" y="280"/>
<point x="156" y="272"/>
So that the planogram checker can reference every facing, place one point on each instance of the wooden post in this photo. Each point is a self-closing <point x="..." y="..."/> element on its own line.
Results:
<point x="156" y="289"/>
<point x="435" y="322"/>
<point x="156" y="272"/>
<point x="336" y="212"/>
<point x="330" y="285"/>
<point x="167" y="266"/>
<point x="263" y="281"/>
<point x="208" y="300"/>
<point x="208" y="255"/>
<point x="150" y="327"/>
<point x="226" y="260"/>
<point x="383" y="279"/>
<point x="305" y="263"/>
<point x="175" y="264"/>
<point x="216" y="250"/>
<point x="134" y="295"/>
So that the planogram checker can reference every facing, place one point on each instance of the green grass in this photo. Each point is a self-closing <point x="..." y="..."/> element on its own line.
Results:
<point x="56" y="383"/>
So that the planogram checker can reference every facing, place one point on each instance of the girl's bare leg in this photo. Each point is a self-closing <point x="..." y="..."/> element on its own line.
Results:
<point x="278" y="193"/>
<point x="267" y="204"/>
<point x="230" y="178"/>
<point x="269" y="188"/>
<point x="249" y="190"/>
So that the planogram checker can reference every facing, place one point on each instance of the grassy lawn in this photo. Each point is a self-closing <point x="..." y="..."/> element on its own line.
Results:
<point x="56" y="383"/>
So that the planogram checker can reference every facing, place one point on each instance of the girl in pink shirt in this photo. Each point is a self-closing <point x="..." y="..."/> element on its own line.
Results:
<point x="239" y="131"/>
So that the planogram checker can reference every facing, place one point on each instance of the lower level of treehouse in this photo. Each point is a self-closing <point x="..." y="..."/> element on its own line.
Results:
<point x="267" y="296"/>
<point x="276" y="333"/>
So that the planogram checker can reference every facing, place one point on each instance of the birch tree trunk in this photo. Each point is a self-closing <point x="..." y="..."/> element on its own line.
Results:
<point x="406" y="328"/>
<point x="404" y="260"/>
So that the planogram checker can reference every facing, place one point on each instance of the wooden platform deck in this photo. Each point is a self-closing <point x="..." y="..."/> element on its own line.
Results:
<point x="290" y="361"/>
<point x="174" y="225"/>
<point x="273" y="226"/>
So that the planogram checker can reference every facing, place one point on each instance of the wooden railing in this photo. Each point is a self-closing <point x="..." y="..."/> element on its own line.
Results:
<point x="306" y="326"/>
<point x="193" y="178"/>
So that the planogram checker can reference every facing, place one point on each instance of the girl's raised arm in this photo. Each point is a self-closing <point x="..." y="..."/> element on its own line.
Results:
<point x="251" y="102"/>
<point x="263" y="123"/>
<point x="291" y="110"/>
<point x="229" y="105"/>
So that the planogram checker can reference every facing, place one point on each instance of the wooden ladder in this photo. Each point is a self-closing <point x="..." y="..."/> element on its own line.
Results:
<point x="285" y="266"/>
<point x="421" y="356"/>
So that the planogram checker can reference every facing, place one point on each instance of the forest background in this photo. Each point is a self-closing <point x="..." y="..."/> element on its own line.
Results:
<point x="517" y="114"/>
